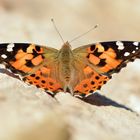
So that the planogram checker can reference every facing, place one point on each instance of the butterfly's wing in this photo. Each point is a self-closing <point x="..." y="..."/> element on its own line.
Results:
<point x="102" y="60"/>
<point x="34" y="64"/>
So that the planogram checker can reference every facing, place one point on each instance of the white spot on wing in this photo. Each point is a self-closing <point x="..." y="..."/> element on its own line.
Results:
<point x="4" y="56"/>
<point x="2" y="66"/>
<point x="120" y="45"/>
<point x="126" y="53"/>
<point x="10" y="47"/>
<point x="134" y="51"/>
<point x="136" y="43"/>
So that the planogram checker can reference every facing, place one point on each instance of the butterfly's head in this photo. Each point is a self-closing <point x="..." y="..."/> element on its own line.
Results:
<point x="66" y="45"/>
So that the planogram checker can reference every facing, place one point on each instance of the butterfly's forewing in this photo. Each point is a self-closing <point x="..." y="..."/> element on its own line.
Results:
<point x="32" y="62"/>
<point x="104" y="59"/>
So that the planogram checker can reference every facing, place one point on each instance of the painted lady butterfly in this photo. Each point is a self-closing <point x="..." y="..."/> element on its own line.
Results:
<point x="80" y="71"/>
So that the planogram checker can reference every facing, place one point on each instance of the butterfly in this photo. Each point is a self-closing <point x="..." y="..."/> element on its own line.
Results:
<point x="80" y="71"/>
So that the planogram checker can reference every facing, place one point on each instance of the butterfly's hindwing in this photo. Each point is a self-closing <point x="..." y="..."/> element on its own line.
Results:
<point x="91" y="83"/>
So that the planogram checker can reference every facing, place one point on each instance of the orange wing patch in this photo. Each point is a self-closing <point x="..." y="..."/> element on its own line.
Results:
<point x="17" y="64"/>
<point x="105" y="60"/>
<point x="42" y="80"/>
<point x="91" y="83"/>
<point x="37" y="60"/>
<point x="25" y="60"/>
<point x="29" y="62"/>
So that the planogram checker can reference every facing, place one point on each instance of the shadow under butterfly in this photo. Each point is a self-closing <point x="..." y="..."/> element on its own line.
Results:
<point x="100" y="100"/>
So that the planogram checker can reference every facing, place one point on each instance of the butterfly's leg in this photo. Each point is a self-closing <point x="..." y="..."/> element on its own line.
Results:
<point x="69" y="89"/>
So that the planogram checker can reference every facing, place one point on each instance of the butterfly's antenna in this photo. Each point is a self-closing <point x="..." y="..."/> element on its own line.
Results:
<point x="94" y="27"/>
<point x="57" y="30"/>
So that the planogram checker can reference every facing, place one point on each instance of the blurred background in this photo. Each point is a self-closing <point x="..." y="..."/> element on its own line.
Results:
<point x="30" y="21"/>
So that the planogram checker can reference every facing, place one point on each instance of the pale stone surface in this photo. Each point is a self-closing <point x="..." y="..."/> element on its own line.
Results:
<point x="29" y="113"/>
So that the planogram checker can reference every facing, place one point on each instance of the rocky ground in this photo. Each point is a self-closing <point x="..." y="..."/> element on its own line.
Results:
<point x="110" y="114"/>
